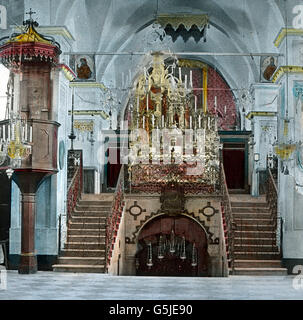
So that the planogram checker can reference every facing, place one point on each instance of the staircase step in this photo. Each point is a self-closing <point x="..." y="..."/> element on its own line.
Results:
<point x="106" y="204"/>
<point x="87" y="238"/>
<point x="98" y="197"/>
<point x="253" y="227"/>
<point x="248" y="248"/>
<point x="85" y="245"/>
<point x="81" y="225"/>
<point x="83" y="253"/>
<point x="256" y="255"/>
<point x="260" y="271"/>
<point x="85" y="232"/>
<point x="254" y="241"/>
<point x="92" y="208"/>
<point x="251" y="204"/>
<point x="254" y="234"/>
<point x="101" y="214"/>
<point x="88" y="219"/>
<point x="251" y="209"/>
<point x="81" y="261"/>
<point x="251" y="215"/>
<point x="78" y="268"/>
<point x="257" y="263"/>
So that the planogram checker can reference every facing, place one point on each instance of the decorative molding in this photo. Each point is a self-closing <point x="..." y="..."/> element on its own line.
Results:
<point x="208" y="215"/>
<point x="188" y="63"/>
<point x="132" y="210"/>
<point x="260" y="114"/>
<point x="289" y="32"/>
<point x="210" y="235"/>
<point x="187" y="20"/>
<point x="101" y="113"/>
<point x="83" y="125"/>
<point x="285" y="69"/>
<point x="83" y="84"/>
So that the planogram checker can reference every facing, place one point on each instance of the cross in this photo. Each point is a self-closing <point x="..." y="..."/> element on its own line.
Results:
<point x="30" y="13"/>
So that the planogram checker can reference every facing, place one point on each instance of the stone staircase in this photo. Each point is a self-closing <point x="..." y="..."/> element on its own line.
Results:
<point x="84" y="250"/>
<point x="255" y="249"/>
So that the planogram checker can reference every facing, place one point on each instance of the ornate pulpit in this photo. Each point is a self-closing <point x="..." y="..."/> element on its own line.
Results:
<point x="31" y="59"/>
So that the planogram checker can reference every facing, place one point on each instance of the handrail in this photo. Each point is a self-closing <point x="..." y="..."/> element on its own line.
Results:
<point x="228" y="218"/>
<point x="272" y="200"/>
<point x="114" y="219"/>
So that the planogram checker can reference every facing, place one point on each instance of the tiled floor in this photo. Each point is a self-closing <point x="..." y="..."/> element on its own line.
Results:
<point x="70" y="286"/>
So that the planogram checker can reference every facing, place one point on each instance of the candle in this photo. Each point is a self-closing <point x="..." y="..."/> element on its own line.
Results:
<point x="162" y="121"/>
<point x="138" y="103"/>
<point x="31" y="134"/>
<point x="225" y="109"/>
<point x="195" y="103"/>
<point x="153" y="120"/>
<point x="180" y="75"/>
<point x="25" y="137"/>
<point x="186" y="81"/>
<point x="147" y="102"/>
<point x="9" y="132"/>
<point x="199" y="119"/>
<point x="143" y="122"/>
<point x="191" y="78"/>
<point x="4" y="135"/>
<point x="208" y="123"/>
<point x="190" y="122"/>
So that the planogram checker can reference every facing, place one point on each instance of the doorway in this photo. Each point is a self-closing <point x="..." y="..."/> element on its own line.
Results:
<point x="172" y="246"/>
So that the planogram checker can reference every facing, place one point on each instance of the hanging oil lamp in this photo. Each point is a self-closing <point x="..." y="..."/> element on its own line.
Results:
<point x="183" y="249"/>
<point x="172" y="248"/>
<point x="161" y="248"/>
<point x="194" y="260"/>
<point x="150" y="256"/>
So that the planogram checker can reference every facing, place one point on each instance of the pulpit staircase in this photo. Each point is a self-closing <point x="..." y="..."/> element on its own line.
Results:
<point x="253" y="232"/>
<point x="84" y="250"/>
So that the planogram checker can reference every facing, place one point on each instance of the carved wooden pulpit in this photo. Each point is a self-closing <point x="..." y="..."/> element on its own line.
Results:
<point x="32" y="59"/>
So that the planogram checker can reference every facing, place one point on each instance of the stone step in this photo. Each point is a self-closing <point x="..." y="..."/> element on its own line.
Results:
<point x="255" y="241"/>
<point x="82" y="261"/>
<point x="85" y="245"/>
<point x="92" y="208"/>
<point x="248" y="248"/>
<point x="250" y="209"/>
<point x="87" y="238"/>
<point x="260" y="271"/>
<point x="253" y="227"/>
<point x="82" y="225"/>
<point x="83" y="253"/>
<point x="97" y="197"/>
<point x="85" y="232"/>
<point x="87" y="219"/>
<point x="101" y="214"/>
<point x="254" y="234"/>
<point x="251" y="215"/>
<point x="78" y="268"/>
<point x="257" y="255"/>
<point x="257" y="263"/>
<point x="98" y="203"/>
<point x="251" y="204"/>
<point x="245" y="221"/>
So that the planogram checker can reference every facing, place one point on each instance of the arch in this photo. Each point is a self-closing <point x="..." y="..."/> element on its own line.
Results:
<point x="172" y="246"/>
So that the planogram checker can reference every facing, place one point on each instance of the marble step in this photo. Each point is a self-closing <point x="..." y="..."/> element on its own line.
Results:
<point x="83" y="253"/>
<point x="97" y="203"/>
<point x="255" y="248"/>
<point x="86" y="232"/>
<point x="258" y="263"/>
<point x="260" y="204"/>
<point x="86" y="225"/>
<point x="87" y="238"/>
<point x="257" y="255"/>
<point x="260" y="271"/>
<point x="254" y="241"/>
<point x="250" y="209"/>
<point x="251" y="215"/>
<point x="81" y="261"/>
<point x="79" y="268"/>
<point x="92" y="208"/>
<point x="85" y="245"/>
<point x="253" y="227"/>
<point x="107" y="197"/>
<point x="254" y="234"/>
<point x="97" y="214"/>
<point x="88" y="219"/>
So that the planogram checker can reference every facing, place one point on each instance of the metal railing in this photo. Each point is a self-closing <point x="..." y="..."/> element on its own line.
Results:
<point x="114" y="219"/>
<point x="228" y="217"/>
<point x="276" y="222"/>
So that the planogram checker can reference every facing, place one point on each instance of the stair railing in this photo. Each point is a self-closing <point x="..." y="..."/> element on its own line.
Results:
<point x="226" y="204"/>
<point x="276" y="222"/>
<point x="114" y="218"/>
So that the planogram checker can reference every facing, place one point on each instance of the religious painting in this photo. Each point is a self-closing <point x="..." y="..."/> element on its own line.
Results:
<point x="268" y="66"/>
<point x="84" y="67"/>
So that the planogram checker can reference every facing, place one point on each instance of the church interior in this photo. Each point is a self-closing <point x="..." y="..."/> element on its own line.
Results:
<point x="151" y="138"/>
